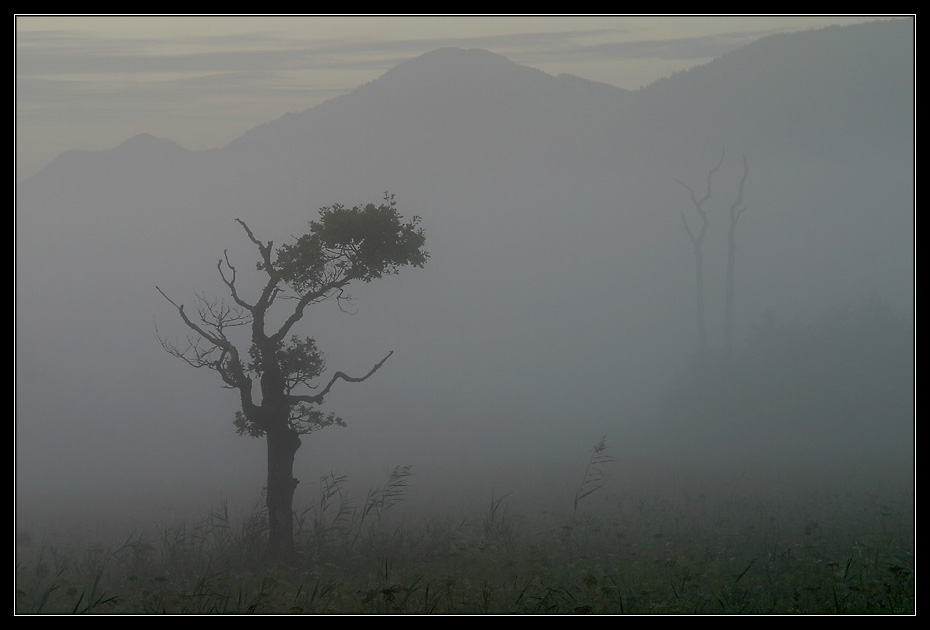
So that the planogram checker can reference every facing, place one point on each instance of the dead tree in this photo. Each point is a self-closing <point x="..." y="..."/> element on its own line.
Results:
<point x="697" y="243"/>
<point x="736" y="210"/>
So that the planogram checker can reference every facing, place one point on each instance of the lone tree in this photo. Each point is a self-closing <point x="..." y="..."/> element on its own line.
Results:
<point x="697" y="244"/>
<point x="736" y="210"/>
<point x="343" y="246"/>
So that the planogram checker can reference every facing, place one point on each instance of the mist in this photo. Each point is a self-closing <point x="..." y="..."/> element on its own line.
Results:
<point x="557" y="307"/>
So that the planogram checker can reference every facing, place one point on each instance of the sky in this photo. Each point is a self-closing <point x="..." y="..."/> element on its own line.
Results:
<point x="91" y="82"/>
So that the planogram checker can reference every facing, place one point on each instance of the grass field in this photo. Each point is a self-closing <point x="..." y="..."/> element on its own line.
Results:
<point x="739" y="549"/>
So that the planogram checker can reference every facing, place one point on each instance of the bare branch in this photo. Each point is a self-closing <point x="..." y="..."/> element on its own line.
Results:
<point x="194" y="354"/>
<point x="227" y="364"/>
<point x="342" y="297"/>
<point x="218" y="316"/>
<point x="269" y="293"/>
<point x="710" y="175"/>
<point x="687" y="227"/>
<point x="305" y="300"/>
<point x="264" y="248"/>
<point x="697" y="243"/>
<point x="168" y="298"/>
<point x="217" y="341"/>
<point x="230" y="282"/>
<point x="318" y="398"/>
<point x="252" y="238"/>
<point x="735" y="209"/>
<point x="686" y="187"/>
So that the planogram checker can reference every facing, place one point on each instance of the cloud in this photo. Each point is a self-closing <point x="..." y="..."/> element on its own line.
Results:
<point x="702" y="47"/>
<point x="64" y="52"/>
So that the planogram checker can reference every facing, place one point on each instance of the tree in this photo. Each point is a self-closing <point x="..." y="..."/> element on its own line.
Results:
<point x="736" y="210"/>
<point x="697" y="243"/>
<point x="343" y="246"/>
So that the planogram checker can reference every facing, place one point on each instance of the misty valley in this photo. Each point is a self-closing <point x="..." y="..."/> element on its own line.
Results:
<point x="475" y="339"/>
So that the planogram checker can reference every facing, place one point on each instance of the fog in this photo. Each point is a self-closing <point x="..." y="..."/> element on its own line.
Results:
<point x="557" y="306"/>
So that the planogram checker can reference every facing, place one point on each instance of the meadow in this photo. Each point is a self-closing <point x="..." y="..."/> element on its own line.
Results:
<point x="746" y="546"/>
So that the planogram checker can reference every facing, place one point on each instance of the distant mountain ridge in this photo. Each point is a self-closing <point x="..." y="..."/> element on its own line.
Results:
<point x="779" y="73"/>
<point x="441" y="82"/>
<point x="785" y="73"/>
<point x="435" y="86"/>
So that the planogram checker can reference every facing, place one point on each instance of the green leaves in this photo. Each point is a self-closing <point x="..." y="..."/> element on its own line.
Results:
<point x="303" y="419"/>
<point x="345" y="244"/>
<point x="244" y="426"/>
<point x="300" y="361"/>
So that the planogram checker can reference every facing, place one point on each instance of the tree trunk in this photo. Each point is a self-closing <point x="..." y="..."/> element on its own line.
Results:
<point x="699" y="301"/>
<point x="731" y="288"/>
<point x="735" y="211"/>
<point x="282" y="446"/>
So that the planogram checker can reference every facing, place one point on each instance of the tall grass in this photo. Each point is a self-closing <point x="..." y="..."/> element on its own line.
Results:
<point x="739" y="550"/>
<point x="593" y="479"/>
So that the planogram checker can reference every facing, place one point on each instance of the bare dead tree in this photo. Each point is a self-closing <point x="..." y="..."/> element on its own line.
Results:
<point x="697" y="243"/>
<point x="736" y="210"/>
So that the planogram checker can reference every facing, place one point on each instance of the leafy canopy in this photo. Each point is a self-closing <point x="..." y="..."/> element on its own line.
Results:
<point x="345" y="244"/>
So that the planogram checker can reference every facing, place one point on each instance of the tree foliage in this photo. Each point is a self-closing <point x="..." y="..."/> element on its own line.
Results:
<point x="345" y="244"/>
